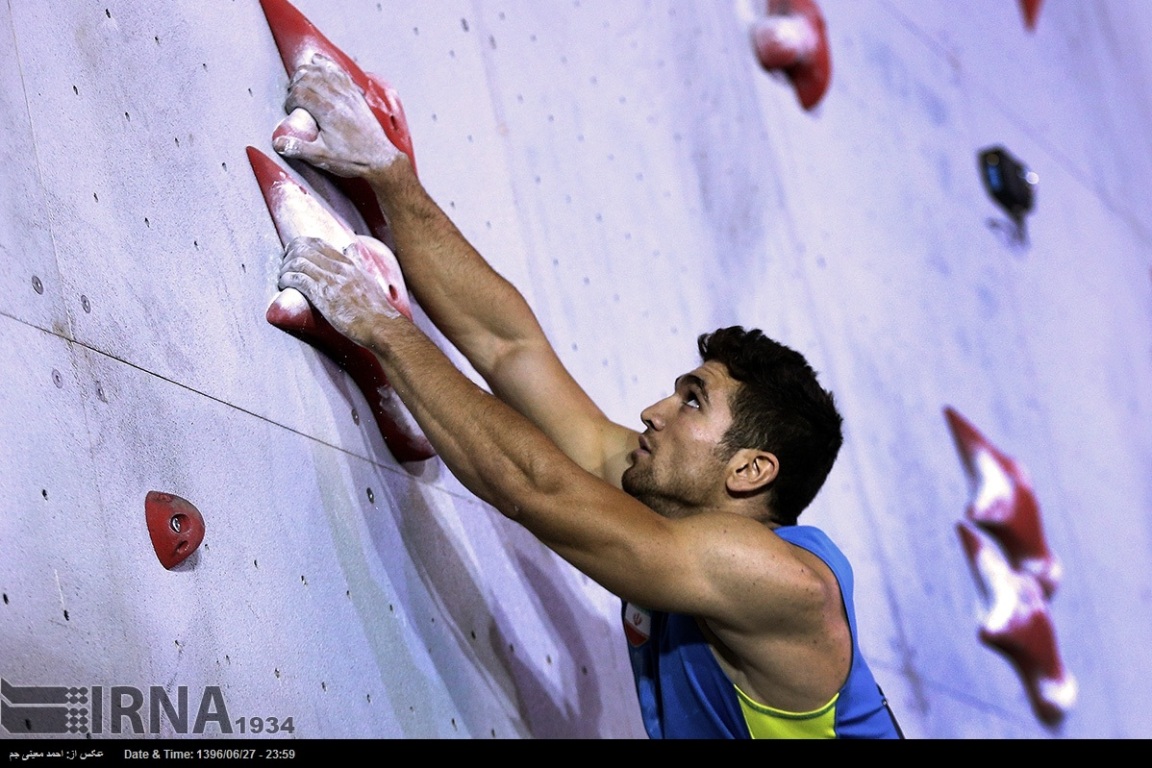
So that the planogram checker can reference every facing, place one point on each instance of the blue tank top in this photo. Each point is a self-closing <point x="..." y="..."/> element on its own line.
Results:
<point x="685" y="694"/>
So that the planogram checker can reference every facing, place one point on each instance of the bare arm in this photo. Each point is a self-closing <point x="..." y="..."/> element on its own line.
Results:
<point x="488" y="320"/>
<point x="479" y="311"/>
<point x="716" y="565"/>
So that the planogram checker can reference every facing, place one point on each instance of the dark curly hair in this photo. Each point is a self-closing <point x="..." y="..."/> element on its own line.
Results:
<point x="779" y="407"/>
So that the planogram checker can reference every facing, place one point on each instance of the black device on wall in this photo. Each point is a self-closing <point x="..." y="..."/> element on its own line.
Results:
<point x="1010" y="183"/>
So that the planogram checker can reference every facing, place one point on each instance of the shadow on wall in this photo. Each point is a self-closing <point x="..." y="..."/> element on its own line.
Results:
<point x="470" y="606"/>
<point x="545" y="716"/>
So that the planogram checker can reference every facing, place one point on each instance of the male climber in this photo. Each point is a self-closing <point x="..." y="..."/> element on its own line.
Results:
<point x="740" y="622"/>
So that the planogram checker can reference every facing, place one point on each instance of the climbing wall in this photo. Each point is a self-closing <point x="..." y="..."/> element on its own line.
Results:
<point x="635" y="173"/>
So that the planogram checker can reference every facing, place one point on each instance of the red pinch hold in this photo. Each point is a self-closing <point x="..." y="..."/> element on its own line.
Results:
<point x="175" y="525"/>
<point x="298" y="40"/>
<point x="793" y="38"/>
<point x="297" y="213"/>
<point x="1004" y="504"/>
<point x="291" y="312"/>
<point x="1031" y="10"/>
<point x="1019" y="626"/>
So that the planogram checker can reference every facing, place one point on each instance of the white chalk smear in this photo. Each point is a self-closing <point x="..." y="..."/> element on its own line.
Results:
<point x="791" y="33"/>
<point x="994" y="491"/>
<point x="291" y="301"/>
<point x="745" y="13"/>
<point x="60" y="590"/>
<point x="299" y="214"/>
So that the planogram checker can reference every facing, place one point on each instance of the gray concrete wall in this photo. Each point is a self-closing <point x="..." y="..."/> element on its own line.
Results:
<point x="634" y="172"/>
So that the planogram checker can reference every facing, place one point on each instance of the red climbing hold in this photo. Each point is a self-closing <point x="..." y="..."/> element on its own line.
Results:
<point x="175" y="525"/>
<point x="794" y="39"/>
<point x="297" y="213"/>
<point x="298" y="41"/>
<point x="1031" y="9"/>
<point x="1019" y="626"/>
<point x="1004" y="504"/>
<point x="291" y="312"/>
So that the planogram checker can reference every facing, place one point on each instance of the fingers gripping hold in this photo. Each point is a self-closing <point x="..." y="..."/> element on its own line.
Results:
<point x="346" y="287"/>
<point x="314" y="252"/>
<point x="308" y="267"/>
<point x="320" y="80"/>
<point x="294" y="131"/>
<point x="340" y="133"/>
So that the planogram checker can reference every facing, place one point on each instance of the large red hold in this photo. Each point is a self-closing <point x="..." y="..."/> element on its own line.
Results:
<point x="1031" y="10"/>
<point x="298" y="40"/>
<point x="1019" y="625"/>
<point x="297" y="213"/>
<point x="793" y="39"/>
<point x="175" y="526"/>
<point x="291" y="313"/>
<point x="1004" y="503"/>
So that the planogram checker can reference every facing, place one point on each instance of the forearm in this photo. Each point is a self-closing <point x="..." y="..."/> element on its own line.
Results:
<point x="509" y="463"/>
<point x="480" y="312"/>
<point x="492" y="449"/>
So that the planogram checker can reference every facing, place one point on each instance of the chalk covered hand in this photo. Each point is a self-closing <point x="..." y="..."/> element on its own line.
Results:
<point x="330" y="124"/>
<point x="346" y="287"/>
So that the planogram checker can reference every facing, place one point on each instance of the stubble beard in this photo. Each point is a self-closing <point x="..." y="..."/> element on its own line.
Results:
<point x="640" y="483"/>
<point x="682" y="494"/>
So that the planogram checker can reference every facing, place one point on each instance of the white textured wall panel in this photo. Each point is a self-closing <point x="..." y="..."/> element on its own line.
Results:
<point x="632" y="170"/>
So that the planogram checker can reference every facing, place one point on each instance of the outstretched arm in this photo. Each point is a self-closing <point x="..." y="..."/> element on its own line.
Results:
<point x="479" y="311"/>
<point x="703" y="564"/>
<point x="778" y="609"/>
